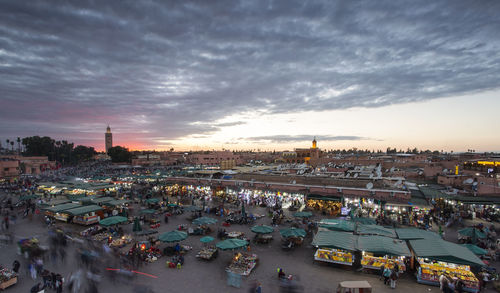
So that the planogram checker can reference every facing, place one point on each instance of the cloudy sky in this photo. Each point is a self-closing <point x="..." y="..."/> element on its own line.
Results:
<point x="252" y="74"/>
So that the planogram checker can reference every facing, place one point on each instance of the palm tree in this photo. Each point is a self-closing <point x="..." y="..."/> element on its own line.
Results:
<point x="7" y="147"/>
<point x="19" y="145"/>
<point x="12" y="144"/>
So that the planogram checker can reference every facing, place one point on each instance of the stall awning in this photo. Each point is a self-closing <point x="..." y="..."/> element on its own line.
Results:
<point x="63" y="207"/>
<point x="102" y="200"/>
<point x="320" y="197"/>
<point x="382" y="245"/>
<point x="375" y="230"/>
<point x="413" y="233"/>
<point x="83" y="210"/>
<point x="53" y="203"/>
<point x="337" y="225"/>
<point x="335" y="239"/>
<point x="115" y="203"/>
<point x="445" y="251"/>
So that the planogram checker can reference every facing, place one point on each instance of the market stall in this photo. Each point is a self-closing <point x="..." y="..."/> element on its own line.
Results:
<point x="429" y="272"/>
<point x="437" y="257"/>
<point x="263" y="233"/>
<point x="334" y="247"/>
<point x="207" y="252"/>
<point x="86" y="215"/>
<point x="380" y="251"/>
<point x="242" y="264"/>
<point x="7" y="278"/>
<point x="57" y="212"/>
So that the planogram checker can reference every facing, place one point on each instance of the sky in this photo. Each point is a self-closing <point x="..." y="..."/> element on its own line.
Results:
<point x="268" y="75"/>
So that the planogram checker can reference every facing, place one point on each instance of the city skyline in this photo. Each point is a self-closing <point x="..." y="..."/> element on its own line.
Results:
<point x="252" y="75"/>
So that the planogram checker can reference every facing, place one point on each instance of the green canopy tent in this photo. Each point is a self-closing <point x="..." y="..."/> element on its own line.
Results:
<point x="475" y="249"/>
<point x="112" y="221"/>
<point x="27" y="197"/>
<point x="303" y="214"/>
<point x="382" y="245"/>
<point x="262" y="229"/>
<point x="375" y="230"/>
<point x="204" y="221"/>
<point x="191" y="208"/>
<point x="173" y="236"/>
<point x="335" y="239"/>
<point x="231" y="244"/>
<point x="473" y="233"/>
<point x="63" y="207"/>
<point x="444" y="251"/>
<point x="364" y="221"/>
<point x="137" y="225"/>
<point x="152" y="200"/>
<point x="414" y="233"/>
<point x="83" y="210"/>
<point x="292" y="232"/>
<point x="338" y="225"/>
<point x="147" y="212"/>
<point x="206" y="239"/>
<point x="172" y="205"/>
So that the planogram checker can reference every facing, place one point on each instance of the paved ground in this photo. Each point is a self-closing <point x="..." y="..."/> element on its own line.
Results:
<point x="200" y="276"/>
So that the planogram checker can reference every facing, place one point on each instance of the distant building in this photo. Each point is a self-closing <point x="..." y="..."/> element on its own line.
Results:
<point x="309" y="156"/>
<point x="9" y="169"/>
<point x="108" y="139"/>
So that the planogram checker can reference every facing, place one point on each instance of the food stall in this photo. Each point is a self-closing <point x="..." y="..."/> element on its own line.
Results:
<point x="119" y="242"/>
<point x="334" y="247"/>
<point x="86" y="215"/>
<point x="334" y="256"/>
<point x="429" y="272"/>
<point x="242" y="264"/>
<point x="380" y="250"/>
<point x="57" y="211"/>
<point x="7" y="278"/>
<point x="436" y="257"/>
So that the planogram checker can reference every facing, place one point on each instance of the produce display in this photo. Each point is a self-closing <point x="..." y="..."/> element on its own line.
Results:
<point x="7" y="278"/>
<point x="430" y="272"/>
<point x="377" y="262"/>
<point x="207" y="253"/>
<point x="243" y="264"/>
<point x="122" y="241"/>
<point x="101" y="236"/>
<point x="334" y="256"/>
<point x="92" y="231"/>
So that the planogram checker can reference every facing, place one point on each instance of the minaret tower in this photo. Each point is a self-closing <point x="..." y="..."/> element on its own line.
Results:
<point x="108" y="139"/>
<point x="314" y="143"/>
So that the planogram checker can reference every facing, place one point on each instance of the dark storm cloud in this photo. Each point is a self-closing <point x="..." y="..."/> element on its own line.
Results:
<point x="166" y="69"/>
<point x="300" y="138"/>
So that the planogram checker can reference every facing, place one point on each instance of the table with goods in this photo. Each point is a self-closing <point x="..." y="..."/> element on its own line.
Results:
<point x="334" y="256"/>
<point x="428" y="273"/>
<point x="373" y="262"/>
<point x="119" y="242"/>
<point x="207" y="253"/>
<point x="242" y="264"/>
<point x="92" y="231"/>
<point x="7" y="278"/>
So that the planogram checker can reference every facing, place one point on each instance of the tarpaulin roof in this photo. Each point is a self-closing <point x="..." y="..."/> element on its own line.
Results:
<point x="83" y="210"/>
<point x="375" y="230"/>
<point x="413" y="233"/>
<point x="116" y="202"/>
<point x="445" y="251"/>
<point x="335" y="239"/>
<point x="54" y="202"/>
<point x="102" y="199"/>
<point x="63" y="207"/>
<point x="338" y="225"/>
<point x="382" y="245"/>
<point x="364" y="220"/>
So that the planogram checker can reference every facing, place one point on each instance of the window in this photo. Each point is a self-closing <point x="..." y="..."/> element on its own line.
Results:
<point x="6" y="169"/>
